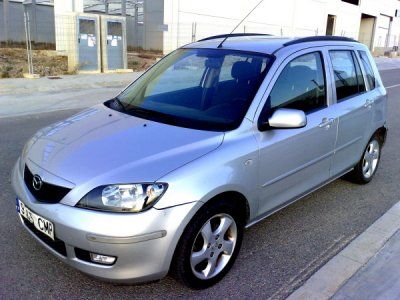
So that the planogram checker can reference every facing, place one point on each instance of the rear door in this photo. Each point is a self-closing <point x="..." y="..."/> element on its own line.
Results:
<point x="376" y="94"/>
<point x="295" y="161"/>
<point x="353" y="108"/>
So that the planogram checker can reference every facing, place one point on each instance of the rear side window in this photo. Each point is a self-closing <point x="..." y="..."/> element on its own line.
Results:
<point x="349" y="80"/>
<point x="368" y="69"/>
<point x="301" y="85"/>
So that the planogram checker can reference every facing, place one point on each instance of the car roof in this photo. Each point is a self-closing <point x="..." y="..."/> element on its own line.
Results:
<point x="267" y="44"/>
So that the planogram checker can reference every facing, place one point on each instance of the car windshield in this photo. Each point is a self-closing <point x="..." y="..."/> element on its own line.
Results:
<point x="208" y="89"/>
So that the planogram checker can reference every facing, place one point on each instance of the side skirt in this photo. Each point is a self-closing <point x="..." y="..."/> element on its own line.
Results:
<point x="287" y="203"/>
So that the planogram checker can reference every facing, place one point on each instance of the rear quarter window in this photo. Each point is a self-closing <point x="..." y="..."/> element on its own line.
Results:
<point x="368" y="69"/>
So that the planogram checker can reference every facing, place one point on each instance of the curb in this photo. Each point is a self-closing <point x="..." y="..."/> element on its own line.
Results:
<point x="335" y="273"/>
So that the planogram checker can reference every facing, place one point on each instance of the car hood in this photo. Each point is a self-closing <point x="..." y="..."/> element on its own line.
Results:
<point x="106" y="146"/>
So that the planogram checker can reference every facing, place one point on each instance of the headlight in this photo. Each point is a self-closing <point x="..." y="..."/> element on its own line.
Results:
<point x="123" y="197"/>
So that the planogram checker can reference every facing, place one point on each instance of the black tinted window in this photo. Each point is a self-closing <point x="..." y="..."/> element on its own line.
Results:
<point x="301" y="85"/>
<point x="348" y="77"/>
<point x="368" y="68"/>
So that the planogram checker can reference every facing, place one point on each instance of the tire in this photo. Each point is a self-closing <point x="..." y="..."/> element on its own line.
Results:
<point x="366" y="168"/>
<point x="195" y="254"/>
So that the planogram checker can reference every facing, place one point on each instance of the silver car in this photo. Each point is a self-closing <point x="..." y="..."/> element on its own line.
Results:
<point x="215" y="137"/>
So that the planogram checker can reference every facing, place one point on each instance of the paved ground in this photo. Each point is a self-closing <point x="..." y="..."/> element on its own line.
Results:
<point x="367" y="268"/>
<point x="20" y="96"/>
<point x="278" y="254"/>
<point x="385" y="63"/>
<point x="379" y="279"/>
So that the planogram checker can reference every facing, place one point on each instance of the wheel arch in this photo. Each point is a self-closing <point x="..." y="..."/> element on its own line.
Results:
<point x="381" y="133"/>
<point x="236" y="197"/>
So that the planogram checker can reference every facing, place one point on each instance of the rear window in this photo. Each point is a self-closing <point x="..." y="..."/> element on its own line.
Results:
<point x="348" y="77"/>
<point x="368" y="69"/>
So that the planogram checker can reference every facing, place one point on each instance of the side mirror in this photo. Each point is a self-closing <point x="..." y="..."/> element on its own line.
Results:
<point x="285" y="118"/>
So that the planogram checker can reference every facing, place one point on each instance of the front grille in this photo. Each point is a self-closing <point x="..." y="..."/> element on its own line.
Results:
<point x="48" y="193"/>
<point x="57" y="245"/>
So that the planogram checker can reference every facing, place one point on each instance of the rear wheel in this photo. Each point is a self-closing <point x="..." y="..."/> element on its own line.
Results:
<point x="366" y="168"/>
<point x="209" y="245"/>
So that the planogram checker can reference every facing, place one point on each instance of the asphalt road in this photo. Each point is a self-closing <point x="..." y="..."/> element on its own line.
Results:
<point x="278" y="254"/>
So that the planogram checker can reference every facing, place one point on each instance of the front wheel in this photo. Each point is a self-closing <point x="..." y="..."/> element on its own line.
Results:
<point x="209" y="245"/>
<point x="369" y="162"/>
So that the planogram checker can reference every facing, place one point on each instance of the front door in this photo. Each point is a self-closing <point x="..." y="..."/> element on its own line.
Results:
<point x="87" y="44"/>
<point x="295" y="161"/>
<point x="114" y="45"/>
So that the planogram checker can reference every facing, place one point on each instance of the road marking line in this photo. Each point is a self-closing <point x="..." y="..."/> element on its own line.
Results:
<point x="392" y="86"/>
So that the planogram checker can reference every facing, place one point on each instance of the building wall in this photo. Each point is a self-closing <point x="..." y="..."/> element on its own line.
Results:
<point x="153" y="21"/>
<point x="134" y="32"/>
<point x="189" y="20"/>
<point x="44" y="32"/>
<point x="367" y="28"/>
<point x="45" y="23"/>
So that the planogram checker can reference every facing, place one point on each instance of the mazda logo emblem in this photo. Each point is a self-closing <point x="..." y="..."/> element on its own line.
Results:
<point x="37" y="182"/>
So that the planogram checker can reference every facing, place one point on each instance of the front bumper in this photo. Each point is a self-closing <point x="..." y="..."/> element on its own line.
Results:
<point x="143" y="243"/>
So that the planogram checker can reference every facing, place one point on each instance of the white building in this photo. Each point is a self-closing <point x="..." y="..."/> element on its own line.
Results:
<point x="169" y="24"/>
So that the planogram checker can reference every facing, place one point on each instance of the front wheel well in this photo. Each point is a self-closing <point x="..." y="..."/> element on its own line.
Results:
<point x="239" y="199"/>
<point x="381" y="134"/>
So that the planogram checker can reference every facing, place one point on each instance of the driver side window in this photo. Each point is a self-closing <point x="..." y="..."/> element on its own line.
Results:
<point x="301" y="85"/>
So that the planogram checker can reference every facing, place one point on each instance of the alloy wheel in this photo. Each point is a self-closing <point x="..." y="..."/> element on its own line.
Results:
<point x="370" y="159"/>
<point x="213" y="246"/>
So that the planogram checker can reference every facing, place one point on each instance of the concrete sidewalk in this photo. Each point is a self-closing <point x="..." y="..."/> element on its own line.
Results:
<point x="385" y="63"/>
<point x="22" y="96"/>
<point x="368" y="268"/>
<point x="11" y="86"/>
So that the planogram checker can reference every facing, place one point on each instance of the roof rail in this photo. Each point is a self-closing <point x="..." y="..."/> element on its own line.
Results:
<point x="319" y="39"/>
<point x="232" y="35"/>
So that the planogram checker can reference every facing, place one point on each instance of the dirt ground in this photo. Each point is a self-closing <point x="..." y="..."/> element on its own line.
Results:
<point x="13" y="62"/>
<point x="142" y="60"/>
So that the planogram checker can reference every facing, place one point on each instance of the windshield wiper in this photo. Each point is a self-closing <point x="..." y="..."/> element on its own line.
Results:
<point x="138" y="110"/>
<point x="149" y="114"/>
<point x="118" y="104"/>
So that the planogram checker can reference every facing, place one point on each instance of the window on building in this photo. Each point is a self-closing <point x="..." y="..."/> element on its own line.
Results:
<point x="301" y="85"/>
<point x="348" y="77"/>
<point x="355" y="2"/>
<point x="368" y="69"/>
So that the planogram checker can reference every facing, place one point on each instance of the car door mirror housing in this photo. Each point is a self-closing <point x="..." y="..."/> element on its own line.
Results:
<point x="285" y="118"/>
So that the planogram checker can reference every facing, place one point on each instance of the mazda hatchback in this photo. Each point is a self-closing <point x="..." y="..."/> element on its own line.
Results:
<point x="215" y="137"/>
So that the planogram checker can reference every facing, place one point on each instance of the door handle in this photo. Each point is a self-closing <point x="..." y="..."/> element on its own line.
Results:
<point x="368" y="103"/>
<point x="326" y="123"/>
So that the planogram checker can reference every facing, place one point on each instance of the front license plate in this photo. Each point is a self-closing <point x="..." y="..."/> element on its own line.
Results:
<point x="39" y="222"/>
